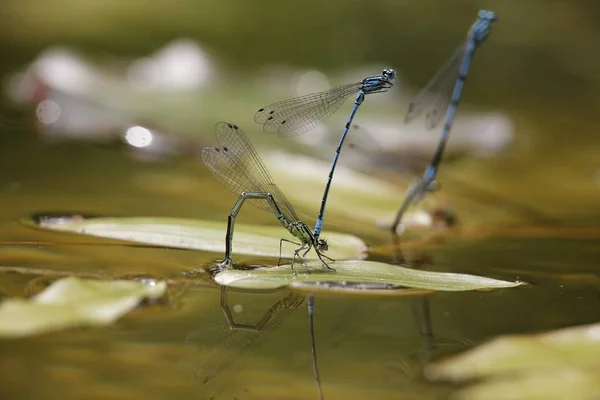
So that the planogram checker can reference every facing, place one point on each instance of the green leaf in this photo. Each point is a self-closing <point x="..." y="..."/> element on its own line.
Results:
<point x="182" y="233"/>
<point x="555" y="365"/>
<point x="73" y="302"/>
<point x="356" y="271"/>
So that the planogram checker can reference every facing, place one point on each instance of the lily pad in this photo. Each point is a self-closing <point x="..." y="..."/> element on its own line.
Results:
<point x="356" y="271"/>
<point x="183" y="233"/>
<point x="556" y="365"/>
<point x="72" y="302"/>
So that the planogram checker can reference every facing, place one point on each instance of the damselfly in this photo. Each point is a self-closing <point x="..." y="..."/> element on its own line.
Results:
<point x="237" y="165"/>
<point x="298" y="115"/>
<point x="440" y="95"/>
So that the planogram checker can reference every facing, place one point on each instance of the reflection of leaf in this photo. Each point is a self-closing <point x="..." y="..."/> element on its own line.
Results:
<point x="205" y="235"/>
<point x="72" y="302"/>
<point x="562" y="364"/>
<point x="356" y="271"/>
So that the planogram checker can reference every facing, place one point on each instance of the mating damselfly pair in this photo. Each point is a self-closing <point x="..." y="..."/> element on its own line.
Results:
<point x="237" y="165"/>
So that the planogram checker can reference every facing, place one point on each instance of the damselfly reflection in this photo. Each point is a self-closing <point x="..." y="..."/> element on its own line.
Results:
<point x="421" y="311"/>
<point x="216" y="365"/>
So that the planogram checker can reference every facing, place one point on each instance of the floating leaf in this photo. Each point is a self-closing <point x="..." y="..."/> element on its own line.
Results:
<point x="182" y="233"/>
<point x="356" y="271"/>
<point x="72" y="302"/>
<point x="556" y="365"/>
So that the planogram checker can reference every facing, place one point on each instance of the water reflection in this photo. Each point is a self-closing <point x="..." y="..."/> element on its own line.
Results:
<point x="421" y="310"/>
<point x="215" y="366"/>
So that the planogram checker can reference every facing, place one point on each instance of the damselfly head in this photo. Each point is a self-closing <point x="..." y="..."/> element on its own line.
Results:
<point x="481" y="28"/>
<point x="489" y="15"/>
<point x="389" y="74"/>
<point x="322" y="245"/>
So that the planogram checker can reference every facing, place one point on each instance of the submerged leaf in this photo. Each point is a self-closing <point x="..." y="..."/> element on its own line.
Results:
<point x="356" y="271"/>
<point x="555" y="365"/>
<point x="73" y="302"/>
<point x="182" y="233"/>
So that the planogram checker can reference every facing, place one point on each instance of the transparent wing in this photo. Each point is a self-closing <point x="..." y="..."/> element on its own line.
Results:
<point x="435" y="97"/>
<point x="360" y="149"/>
<point x="361" y="141"/>
<point x="298" y="115"/>
<point x="237" y="165"/>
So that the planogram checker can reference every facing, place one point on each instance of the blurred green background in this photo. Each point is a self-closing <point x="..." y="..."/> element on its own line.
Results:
<point x="540" y="49"/>
<point x="540" y="67"/>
